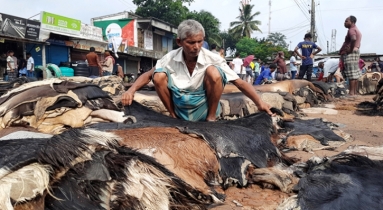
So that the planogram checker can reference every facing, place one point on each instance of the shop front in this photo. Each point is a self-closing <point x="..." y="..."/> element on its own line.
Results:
<point x="16" y="34"/>
<point x="90" y="36"/>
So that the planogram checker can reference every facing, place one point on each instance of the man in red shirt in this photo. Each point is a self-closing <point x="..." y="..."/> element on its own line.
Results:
<point x="350" y="54"/>
<point x="93" y="63"/>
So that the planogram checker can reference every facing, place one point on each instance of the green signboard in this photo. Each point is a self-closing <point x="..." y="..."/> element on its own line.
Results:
<point x="60" y="23"/>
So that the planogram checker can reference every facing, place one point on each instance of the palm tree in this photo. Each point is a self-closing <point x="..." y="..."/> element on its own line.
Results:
<point x="246" y="24"/>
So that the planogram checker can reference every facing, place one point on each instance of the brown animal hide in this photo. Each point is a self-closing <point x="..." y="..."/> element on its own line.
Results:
<point x="190" y="158"/>
<point x="279" y="176"/>
<point x="287" y="86"/>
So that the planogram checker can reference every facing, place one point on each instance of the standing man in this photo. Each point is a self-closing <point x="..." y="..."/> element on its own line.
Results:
<point x="11" y="67"/>
<point x="350" y="54"/>
<point x="30" y="65"/>
<point x="307" y="48"/>
<point x="120" y="72"/>
<point x="214" y="49"/>
<point x="93" y="63"/>
<point x="281" y="64"/>
<point x="190" y="80"/>
<point x="293" y="64"/>
<point x="238" y="65"/>
<point x="107" y="66"/>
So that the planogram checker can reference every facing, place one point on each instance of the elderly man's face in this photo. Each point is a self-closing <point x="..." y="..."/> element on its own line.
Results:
<point x="191" y="45"/>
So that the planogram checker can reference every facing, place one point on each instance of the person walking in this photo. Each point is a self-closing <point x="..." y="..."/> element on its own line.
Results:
<point x="293" y="64"/>
<point x="190" y="80"/>
<point x="307" y="48"/>
<point x="350" y="54"/>
<point x="94" y="66"/>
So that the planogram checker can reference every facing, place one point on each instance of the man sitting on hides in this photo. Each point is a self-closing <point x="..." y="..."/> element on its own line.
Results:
<point x="190" y="80"/>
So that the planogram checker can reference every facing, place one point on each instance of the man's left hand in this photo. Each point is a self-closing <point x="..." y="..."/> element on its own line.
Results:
<point x="265" y="107"/>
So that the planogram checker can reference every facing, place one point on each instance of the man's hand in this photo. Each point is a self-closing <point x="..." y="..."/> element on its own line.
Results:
<point x="262" y="106"/>
<point x="312" y="56"/>
<point x="127" y="98"/>
<point x="303" y="57"/>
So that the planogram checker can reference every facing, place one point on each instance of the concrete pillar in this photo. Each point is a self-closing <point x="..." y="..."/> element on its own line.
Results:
<point x="44" y="60"/>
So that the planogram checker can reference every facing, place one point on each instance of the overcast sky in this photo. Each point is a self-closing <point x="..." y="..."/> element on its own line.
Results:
<point x="286" y="16"/>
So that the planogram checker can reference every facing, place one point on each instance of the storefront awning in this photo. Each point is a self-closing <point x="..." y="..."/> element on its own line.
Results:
<point x="21" y="40"/>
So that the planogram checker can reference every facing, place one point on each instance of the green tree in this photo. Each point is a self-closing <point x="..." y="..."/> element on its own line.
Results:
<point x="278" y="39"/>
<point x="246" y="24"/>
<point x="262" y="50"/>
<point x="246" y="46"/>
<point x="171" y="11"/>
<point x="228" y="40"/>
<point x="211" y="25"/>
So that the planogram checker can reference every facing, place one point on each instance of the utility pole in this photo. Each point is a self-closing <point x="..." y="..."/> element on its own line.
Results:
<point x="269" y="15"/>
<point x="312" y="28"/>
<point x="333" y="40"/>
<point x="327" y="47"/>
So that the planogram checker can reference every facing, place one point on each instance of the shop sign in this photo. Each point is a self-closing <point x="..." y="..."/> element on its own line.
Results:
<point x="148" y="40"/>
<point x="18" y="27"/>
<point x="91" y="33"/>
<point x="53" y="22"/>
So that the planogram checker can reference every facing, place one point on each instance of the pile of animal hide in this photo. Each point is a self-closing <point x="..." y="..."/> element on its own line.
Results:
<point x="156" y="163"/>
<point x="163" y="163"/>
<point x="374" y="108"/>
<point x="4" y="87"/>
<point x="53" y="105"/>
<point x="110" y="84"/>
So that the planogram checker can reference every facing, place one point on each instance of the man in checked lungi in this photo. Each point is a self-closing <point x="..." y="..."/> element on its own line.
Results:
<point x="350" y="53"/>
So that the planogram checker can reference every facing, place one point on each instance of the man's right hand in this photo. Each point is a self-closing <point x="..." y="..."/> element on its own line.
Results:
<point x="127" y="98"/>
<point x="303" y="57"/>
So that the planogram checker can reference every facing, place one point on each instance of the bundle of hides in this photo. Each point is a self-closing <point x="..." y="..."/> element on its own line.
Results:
<point x="110" y="84"/>
<point x="367" y="84"/>
<point x="52" y="106"/>
<point x="156" y="163"/>
<point x="4" y="87"/>
<point x="334" y="89"/>
<point x="87" y="169"/>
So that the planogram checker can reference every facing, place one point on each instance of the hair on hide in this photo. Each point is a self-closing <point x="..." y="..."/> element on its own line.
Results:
<point x="142" y="171"/>
<point x="17" y="153"/>
<point x="342" y="182"/>
<point x="23" y="185"/>
<point x="190" y="158"/>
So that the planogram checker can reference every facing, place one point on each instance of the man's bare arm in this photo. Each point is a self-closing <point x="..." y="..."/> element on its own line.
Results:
<point x="352" y="44"/>
<point x="141" y="81"/>
<point x="299" y="55"/>
<point x="250" y="92"/>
